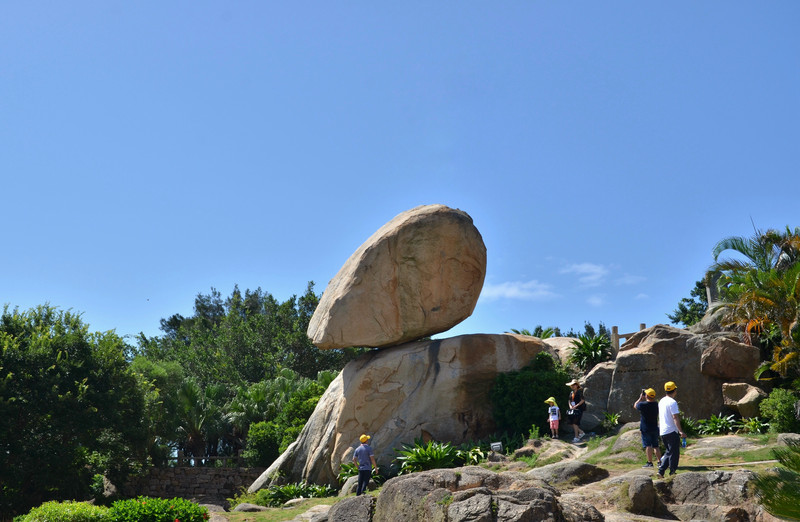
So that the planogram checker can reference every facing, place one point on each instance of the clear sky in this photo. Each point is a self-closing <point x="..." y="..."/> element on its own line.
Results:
<point x="150" y="151"/>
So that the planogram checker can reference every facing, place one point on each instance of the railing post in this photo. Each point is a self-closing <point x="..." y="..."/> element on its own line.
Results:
<point x="615" y="340"/>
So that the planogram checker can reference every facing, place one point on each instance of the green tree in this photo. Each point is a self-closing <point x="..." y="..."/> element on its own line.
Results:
<point x="70" y="407"/>
<point x="589" y="351"/>
<point x="518" y="397"/>
<point x="691" y="309"/>
<point x="779" y="489"/>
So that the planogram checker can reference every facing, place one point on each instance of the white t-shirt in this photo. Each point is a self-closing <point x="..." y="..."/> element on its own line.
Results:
<point x="667" y="407"/>
<point x="553" y="411"/>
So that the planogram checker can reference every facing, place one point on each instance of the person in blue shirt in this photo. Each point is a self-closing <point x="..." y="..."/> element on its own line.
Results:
<point x="365" y="459"/>
<point x="648" y="408"/>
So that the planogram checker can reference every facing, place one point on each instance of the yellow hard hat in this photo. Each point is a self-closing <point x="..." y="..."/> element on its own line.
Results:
<point x="364" y="438"/>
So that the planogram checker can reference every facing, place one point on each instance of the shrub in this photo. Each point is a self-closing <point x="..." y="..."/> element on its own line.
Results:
<point x="65" y="512"/>
<point x="275" y="496"/>
<point x="752" y="425"/>
<point x="346" y="470"/>
<point x="588" y="351"/>
<point x="610" y="422"/>
<point x="716" y="425"/>
<point x="778" y="408"/>
<point x="149" y="509"/>
<point x="518" y="397"/>
<point x="691" y="427"/>
<point x="422" y="456"/>
<point x="262" y="445"/>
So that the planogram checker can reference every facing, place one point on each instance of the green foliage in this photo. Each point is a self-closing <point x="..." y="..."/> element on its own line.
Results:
<point x="691" y="427"/>
<point x="263" y="441"/>
<point x="751" y="425"/>
<point x="779" y="489"/>
<point x="778" y="409"/>
<point x="716" y="425"/>
<point x="533" y="433"/>
<point x="541" y="333"/>
<point x="691" y="309"/>
<point x="468" y="455"/>
<point x="589" y="351"/>
<point x="346" y="470"/>
<point x="71" y="407"/>
<point x="421" y="456"/>
<point x="517" y="397"/>
<point x="610" y="421"/>
<point x="275" y="496"/>
<point x="530" y="460"/>
<point x="148" y="509"/>
<point x="68" y="511"/>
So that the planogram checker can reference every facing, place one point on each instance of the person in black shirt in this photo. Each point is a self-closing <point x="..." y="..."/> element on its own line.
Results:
<point x="648" y="408"/>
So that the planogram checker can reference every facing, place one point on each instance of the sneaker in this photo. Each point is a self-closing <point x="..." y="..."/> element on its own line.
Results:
<point x="576" y="439"/>
<point x="648" y="465"/>
<point x="660" y="475"/>
<point x="581" y="435"/>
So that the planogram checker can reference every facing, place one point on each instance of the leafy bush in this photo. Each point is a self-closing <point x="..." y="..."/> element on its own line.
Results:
<point x="346" y="470"/>
<point x="716" y="425"/>
<point x="263" y="441"/>
<point x="65" y="512"/>
<point x="589" y="351"/>
<point x="149" y="509"/>
<point x="517" y="397"/>
<point x="752" y="425"/>
<point x="779" y="488"/>
<point x="422" y="456"/>
<point x="610" y="422"/>
<point x="691" y="427"/>
<point x="533" y="433"/>
<point x="275" y="496"/>
<point x="778" y="408"/>
<point x="467" y="455"/>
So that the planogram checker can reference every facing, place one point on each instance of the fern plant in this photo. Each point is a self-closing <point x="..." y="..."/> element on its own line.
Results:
<point x="588" y="351"/>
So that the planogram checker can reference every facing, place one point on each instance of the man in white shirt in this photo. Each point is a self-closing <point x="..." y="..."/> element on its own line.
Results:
<point x="669" y="427"/>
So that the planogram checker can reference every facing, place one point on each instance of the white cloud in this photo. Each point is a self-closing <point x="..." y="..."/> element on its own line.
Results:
<point x="596" y="300"/>
<point x="641" y="296"/>
<point x="629" y="279"/>
<point x="589" y="274"/>
<point x="527" y="290"/>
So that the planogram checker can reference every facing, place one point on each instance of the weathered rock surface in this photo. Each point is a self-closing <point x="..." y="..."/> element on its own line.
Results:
<point x="742" y="398"/>
<point x="571" y="472"/>
<point x="433" y="388"/>
<point x="473" y="494"/>
<point x="729" y="359"/>
<point x="418" y="275"/>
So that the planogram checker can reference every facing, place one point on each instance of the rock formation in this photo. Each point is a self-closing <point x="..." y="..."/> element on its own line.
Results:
<point x="437" y="389"/>
<point x="698" y="363"/>
<point x="418" y="275"/>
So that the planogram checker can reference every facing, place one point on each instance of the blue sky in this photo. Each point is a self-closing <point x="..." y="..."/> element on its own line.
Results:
<point x="153" y="150"/>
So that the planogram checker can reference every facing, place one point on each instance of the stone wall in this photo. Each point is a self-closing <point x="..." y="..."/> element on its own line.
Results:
<point x="192" y="482"/>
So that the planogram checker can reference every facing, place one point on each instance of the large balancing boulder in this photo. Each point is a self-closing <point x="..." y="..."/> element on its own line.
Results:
<point x="418" y="275"/>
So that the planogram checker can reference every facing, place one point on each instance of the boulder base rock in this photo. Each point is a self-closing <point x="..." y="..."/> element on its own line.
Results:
<point x="729" y="359"/>
<point x="439" y="388"/>
<point x="743" y="398"/>
<point x="418" y="275"/>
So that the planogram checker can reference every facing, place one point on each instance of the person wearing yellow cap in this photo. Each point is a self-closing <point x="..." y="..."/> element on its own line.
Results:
<point x="669" y="425"/>
<point x="648" y="425"/>
<point x="364" y="457"/>
<point x="553" y="416"/>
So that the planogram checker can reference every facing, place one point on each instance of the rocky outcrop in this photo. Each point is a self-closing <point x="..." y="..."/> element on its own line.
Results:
<point x="742" y="398"/>
<point x="474" y="494"/>
<point x="437" y="389"/>
<point x="729" y="359"/>
<point x="418" y="275"/>
<point x="697" y="363"/>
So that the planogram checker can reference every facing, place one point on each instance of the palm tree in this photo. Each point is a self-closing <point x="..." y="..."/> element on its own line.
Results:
<point x="757" y="300"/>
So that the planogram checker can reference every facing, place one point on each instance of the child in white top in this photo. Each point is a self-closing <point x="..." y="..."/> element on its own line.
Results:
<point x="553" y="415"/>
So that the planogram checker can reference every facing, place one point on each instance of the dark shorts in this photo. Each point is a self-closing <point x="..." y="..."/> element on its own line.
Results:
<point x="650" y="439"/>
<point x="575" y="418"/>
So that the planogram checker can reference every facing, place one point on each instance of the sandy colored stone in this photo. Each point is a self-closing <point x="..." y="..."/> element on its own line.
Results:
<point x="418" y="275"/>
<point x="439" y="388"/>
